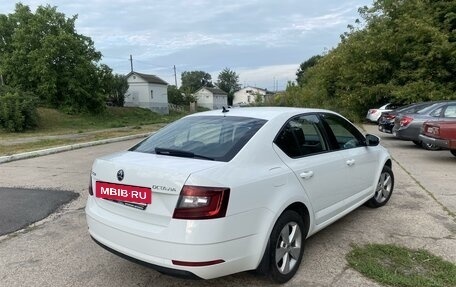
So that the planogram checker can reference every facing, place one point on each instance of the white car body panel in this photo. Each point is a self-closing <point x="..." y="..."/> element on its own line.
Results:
<point x="374" y="114"/>
<point x="263" y="181"/>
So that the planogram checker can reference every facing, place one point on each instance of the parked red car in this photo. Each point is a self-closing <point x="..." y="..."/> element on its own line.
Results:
<point x="440" y="133"/>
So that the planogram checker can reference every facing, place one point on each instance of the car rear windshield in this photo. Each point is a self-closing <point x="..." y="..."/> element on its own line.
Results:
<point x="427" y="109"/>
<point x="217" y="138"/>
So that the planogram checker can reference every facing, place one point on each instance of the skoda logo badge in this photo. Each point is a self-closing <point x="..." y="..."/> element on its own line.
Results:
<point x="120" y="175"/>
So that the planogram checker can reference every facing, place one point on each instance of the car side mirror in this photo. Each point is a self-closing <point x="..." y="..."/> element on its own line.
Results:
<point x="372" y="140"/>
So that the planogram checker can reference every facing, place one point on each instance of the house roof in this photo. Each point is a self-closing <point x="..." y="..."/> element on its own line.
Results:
<point x="215" y="91"/>
<point x="149" y="78"/>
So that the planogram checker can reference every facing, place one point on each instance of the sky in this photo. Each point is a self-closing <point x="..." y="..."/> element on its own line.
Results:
<point x="263" y="41"/>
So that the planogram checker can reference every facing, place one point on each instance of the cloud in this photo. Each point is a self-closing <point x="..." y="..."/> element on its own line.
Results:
<point x="273" y="77"/>
<point x="245" y="35"/>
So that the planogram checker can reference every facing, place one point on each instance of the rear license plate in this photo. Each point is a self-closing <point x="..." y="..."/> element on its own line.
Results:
<point x="124" y="193"/>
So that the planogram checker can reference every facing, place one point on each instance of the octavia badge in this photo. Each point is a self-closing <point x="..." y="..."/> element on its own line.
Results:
<point x="120" y="175"/>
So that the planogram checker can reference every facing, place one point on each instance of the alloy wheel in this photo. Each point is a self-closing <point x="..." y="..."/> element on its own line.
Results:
<point x="384" y="187"/>
<point x="288" y="247"/>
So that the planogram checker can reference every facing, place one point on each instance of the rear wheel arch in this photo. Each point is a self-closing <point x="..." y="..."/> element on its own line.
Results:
<point x="303" y="211"/>
<point x="389" y="164"/>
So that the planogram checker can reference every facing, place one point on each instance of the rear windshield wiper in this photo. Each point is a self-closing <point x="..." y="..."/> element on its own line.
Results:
<point x="179" y="153"/>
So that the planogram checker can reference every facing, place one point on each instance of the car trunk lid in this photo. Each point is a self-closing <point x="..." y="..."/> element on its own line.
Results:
<point x="160" y="176"/>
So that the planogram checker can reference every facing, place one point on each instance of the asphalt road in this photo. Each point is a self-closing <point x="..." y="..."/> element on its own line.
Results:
<point x="21" y="207"/>
<point x="57" y="251"/>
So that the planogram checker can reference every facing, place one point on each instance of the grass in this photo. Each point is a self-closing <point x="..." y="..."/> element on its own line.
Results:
<point x="398" y="266"/>
<point x="53" y="121"/>
<point x="54" y="128"/>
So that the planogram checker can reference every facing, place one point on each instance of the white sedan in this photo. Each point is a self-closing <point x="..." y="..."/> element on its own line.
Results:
<point x="226" y="191"/>
<point x="374" y="115"/>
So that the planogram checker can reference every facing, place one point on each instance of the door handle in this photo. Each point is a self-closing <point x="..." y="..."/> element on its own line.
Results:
<point x="306" y="174"/>
<point x="350" y="162"/>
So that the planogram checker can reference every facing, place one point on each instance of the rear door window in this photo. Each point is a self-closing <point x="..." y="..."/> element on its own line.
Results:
<point x="436" y="113"/>
<point x="301" y="136"/>
<point x="344" y="135"/>
<point x="450" y="111"/>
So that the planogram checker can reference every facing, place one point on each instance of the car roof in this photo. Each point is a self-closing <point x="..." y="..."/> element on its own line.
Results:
<point x="435" y="105"/>
<point x="266" y="113"/>
<point x="414" y="105"/>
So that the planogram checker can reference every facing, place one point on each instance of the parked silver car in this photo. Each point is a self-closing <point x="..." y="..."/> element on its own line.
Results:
<point x="408" y="127"/>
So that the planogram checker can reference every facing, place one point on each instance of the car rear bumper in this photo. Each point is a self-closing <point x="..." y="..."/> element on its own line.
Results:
<point x="158" y="249"/>
<point x="386" y="128"/>
<point x="373" y="117"/>
<point x="409" y="133"/>
<point x="446" y="144"/>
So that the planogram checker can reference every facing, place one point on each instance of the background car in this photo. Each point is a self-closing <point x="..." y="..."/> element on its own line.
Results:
<point x="374" y="114"/>
<point x="441" y="134"/>
<point x="408" y="126"/>
<point x="386" y="120"/>
<point x="221" y="192"/>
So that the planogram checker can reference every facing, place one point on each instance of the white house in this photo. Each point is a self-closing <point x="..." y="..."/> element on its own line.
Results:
<point x="147" y="91"/>
<point x="211" y="98"/>
<point x="249" y="95"/>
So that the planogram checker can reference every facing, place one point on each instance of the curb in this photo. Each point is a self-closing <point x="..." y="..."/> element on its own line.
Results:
<point x="30" y="154"/>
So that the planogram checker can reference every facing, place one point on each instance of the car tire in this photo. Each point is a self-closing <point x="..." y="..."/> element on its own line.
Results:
<point x="430" y="146"/>
<point x="453" y="152"/>
<point x="384" y="189"/>
<point x="285" y="247"/>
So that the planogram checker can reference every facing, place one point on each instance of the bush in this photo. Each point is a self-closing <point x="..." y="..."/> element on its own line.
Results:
<point x="17" y="110"/>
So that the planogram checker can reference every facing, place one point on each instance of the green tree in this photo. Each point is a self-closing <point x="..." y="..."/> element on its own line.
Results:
<point x="175" y="96"/>
<point x="228" y="81"/>
<point x="42" y="52"/>
<point x="405" y="51"/>
<point x="312" y="61"/>
<point x="120" y="87"/>
<point x="113" y="86"/>
<point x="194" y="80"/>
<point x="17" y="109"/>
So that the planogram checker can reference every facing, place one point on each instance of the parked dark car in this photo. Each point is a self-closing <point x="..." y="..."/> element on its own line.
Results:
<point x="441" y="134"/>
<point x="386" y="120"/>
<point x="408" y="126"/>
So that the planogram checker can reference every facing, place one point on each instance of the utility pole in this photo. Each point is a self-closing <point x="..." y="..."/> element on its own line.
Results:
<point x="131" y="63"/>
<point x="175" y="77"/>
<point x="1" y="80"/>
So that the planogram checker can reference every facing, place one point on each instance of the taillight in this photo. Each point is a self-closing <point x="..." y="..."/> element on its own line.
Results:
<point x="390" y="117"/>
<point x="405" y="121"/>
<point x="202" y="202"/>
<point x="90" y="186"/>
<point x="372" y="111"/>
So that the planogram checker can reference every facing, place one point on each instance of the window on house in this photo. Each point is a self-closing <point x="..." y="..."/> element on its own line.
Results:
<point x="248" y="99"/>
<point x="151" y="94"/>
